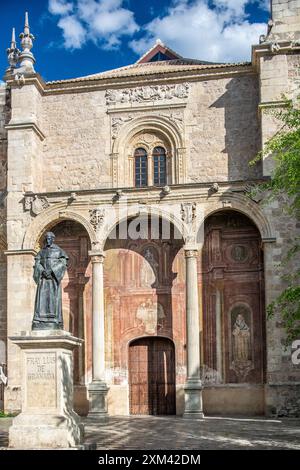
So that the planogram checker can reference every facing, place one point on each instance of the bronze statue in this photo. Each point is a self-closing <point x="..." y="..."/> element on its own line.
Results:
<point x="49" y="269"/>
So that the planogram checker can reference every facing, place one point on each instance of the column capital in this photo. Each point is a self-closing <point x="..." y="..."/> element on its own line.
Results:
<point x="191" y="252"/>
<point x="97" y="256"/>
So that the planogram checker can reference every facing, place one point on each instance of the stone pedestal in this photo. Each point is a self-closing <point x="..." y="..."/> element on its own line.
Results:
<point x="47" y="419"/>
<point x="98" y="403"/>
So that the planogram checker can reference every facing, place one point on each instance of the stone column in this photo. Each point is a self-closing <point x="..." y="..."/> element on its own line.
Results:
<point x="98" y="388"/>
<point x="193" y="386"/>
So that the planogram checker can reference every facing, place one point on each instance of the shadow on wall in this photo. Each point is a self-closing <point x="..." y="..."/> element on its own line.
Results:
<point x="242" y="126"/>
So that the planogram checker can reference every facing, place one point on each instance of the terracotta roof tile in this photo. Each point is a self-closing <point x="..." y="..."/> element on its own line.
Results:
<point x="150" y="68"/>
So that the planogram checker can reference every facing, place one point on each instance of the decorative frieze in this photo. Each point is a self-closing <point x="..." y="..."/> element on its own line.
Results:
<point x="146" y="94"/>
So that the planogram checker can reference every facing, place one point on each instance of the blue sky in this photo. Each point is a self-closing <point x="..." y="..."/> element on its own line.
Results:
<point x="81" y="37"/>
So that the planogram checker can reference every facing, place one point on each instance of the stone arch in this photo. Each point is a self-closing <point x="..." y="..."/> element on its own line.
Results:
<point x="233" y="282"/>
<point x="168" y="133"/>
<point x="244" y="205"/>
<point x="132" y="213"/>
<point x="48" y="219"/>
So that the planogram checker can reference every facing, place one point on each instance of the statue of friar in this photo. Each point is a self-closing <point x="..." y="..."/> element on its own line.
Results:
<point x="49" y="269"/>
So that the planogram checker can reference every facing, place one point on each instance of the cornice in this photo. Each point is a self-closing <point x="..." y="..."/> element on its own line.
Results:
<point x="26" y="125"/>
<point x="150" y="194"/>
<point x="20" y="252"/>
<point x="102" y="83"/>
<point x="274" y="104"/>
<point x="149" y="107"/>
<point x="272" y="47"/>
<point x="33" y="79"/>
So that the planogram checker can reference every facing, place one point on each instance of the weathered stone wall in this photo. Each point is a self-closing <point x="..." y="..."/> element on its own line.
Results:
<point x="293" y="63"/>
<point x="286" y="18"/>
<point x="77" y="146"/>
<point x="220" y="129"/>
<point x="4" y="114"/>
<point x="283" y="377"/>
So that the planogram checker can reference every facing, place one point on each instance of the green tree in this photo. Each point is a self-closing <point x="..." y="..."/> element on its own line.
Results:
<point x="284" y="184"/>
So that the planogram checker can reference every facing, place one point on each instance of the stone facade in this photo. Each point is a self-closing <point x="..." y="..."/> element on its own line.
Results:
<point x="69" y="149"/>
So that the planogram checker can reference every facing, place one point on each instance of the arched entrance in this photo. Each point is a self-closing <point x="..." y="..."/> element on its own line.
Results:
<point x="233" y="311"/>
<point x="152" y="376"/>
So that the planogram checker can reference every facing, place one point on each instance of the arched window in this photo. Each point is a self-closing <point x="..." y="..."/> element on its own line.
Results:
<point x="141" y="167"/>
<point x="159" y="166"/>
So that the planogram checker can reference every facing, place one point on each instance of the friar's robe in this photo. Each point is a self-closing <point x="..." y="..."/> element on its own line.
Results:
<point x="48" y="300"/>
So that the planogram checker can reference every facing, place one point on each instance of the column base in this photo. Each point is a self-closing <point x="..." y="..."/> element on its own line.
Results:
<point x="193" y="408"/>
<point x="98" y="401"/>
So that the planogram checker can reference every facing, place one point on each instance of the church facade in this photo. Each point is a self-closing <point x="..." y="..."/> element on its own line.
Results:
<point x="174" y="319"/>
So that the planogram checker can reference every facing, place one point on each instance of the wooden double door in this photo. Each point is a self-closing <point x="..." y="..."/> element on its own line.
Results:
<point x="152" y="376"/>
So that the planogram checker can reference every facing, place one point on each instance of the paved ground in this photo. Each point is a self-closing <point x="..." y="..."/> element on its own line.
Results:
<point x="177" y="433"/>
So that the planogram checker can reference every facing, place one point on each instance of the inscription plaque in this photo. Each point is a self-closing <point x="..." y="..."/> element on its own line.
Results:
<point x="41" y="380"/>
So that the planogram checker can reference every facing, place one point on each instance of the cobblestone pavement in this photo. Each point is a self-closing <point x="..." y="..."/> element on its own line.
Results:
<point x="176" y="433"/>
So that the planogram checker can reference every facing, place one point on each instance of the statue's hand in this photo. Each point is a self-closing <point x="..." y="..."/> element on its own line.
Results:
<point x="47" y="274"/>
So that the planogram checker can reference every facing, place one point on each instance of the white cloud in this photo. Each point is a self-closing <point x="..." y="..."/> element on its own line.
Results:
<point x="101" y="21"/>
<point x="213" y="30"/>
<point x="60" y="7"/>
<point x="196" y="30"/>
<point x="73" y="32"/>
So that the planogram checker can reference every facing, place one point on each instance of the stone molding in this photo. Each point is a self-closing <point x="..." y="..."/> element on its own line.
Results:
<point x="234" y="200"/>
<point x="26" y="125"/>
<point x="86" y="84"/>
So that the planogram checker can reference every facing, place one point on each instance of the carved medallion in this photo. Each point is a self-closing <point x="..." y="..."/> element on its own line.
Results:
<point x="239" y="253"/>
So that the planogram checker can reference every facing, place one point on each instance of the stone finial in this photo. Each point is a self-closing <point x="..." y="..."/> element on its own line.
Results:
<point x="26" y="57"/>
<point x="13" y="53"/>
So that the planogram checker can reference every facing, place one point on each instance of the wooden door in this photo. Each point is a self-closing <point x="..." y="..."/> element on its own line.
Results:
<point x="152" y="376"/>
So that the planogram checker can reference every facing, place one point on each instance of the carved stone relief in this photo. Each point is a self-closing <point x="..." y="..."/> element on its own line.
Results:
<point x="97" y="218"/>
<point x="117" y="122"/>
<point x="151" y="314"/>
<point x="145" y="94"/>
<point x="36" y="204"/>
<point x="188" y="212"/>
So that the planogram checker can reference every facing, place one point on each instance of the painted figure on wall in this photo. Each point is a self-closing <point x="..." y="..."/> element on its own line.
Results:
<point x="49" y="269"/>
<point x="241" y="334"/>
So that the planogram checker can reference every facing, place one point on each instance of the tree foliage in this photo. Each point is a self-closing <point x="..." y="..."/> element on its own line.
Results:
<point x="284" y="184"/>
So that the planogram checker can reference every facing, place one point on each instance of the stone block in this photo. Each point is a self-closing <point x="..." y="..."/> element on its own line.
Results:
<point x="47" y="419"/>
